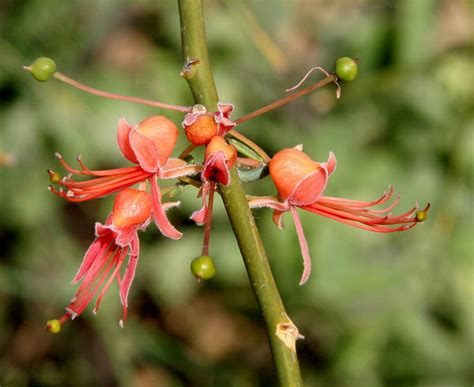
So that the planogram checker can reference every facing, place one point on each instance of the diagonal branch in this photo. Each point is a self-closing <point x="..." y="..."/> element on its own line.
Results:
<point x="281" y="331"/>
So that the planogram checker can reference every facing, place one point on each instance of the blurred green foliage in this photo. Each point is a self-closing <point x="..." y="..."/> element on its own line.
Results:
<point x="379" y="310"/>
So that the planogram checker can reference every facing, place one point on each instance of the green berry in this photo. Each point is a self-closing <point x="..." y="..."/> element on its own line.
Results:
<point x="346" y="68"/>
<point x="203" y="267"/>
<point x="42" y="69"/>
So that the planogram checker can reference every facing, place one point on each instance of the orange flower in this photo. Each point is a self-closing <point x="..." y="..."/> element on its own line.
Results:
<point x="301" y="182"/>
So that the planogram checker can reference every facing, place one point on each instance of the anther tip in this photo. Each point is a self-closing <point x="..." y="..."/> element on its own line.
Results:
<point x="53" y="326"/>
<point x="58" y="155"/>
<point x="121" y="323"/>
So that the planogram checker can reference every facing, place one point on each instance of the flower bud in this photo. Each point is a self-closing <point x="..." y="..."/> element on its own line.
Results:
<point x="346" y="68"/>
<point x="42" y="69"/>
<point x="53" y="326"/>
<point x="203" y="267"/>
<point x="217" y="144"/>
<point x="297" y="178"/>
<point x="131" y="207"/>
<point x="162" y="132"/>
<point x="201" y="130"/>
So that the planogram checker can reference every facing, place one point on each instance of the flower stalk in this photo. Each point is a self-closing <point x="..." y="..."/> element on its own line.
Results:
<point x="198" y="74"/>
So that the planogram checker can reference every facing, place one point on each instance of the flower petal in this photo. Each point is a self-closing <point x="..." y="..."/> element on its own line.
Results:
<point x="303" y="246"/>
<point x="200" y="216"/>
<point x="147" y="155"/>
<point x="159" y="215"/>
<point x="331" y="163"/>
<point x="128" y="276"/>
<point x="123" y="140"/>
<point x="310" y="188"/>
<point x="216" y="169"/>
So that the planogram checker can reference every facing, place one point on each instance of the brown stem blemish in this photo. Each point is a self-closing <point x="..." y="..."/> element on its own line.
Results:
<point x="288" y="333"/>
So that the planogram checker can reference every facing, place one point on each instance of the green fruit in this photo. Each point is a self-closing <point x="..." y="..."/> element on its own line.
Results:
<point x="346" y="68"/>
<point x="43" y="68"/>
<point x="203" y="267"/>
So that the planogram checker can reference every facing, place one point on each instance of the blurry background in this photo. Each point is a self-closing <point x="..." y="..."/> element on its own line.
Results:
<point x="379" y="310"/>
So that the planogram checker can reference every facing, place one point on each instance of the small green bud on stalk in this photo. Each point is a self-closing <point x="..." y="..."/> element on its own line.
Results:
<point x="346" y="69"/>
<point x="203" y="267"/>
<point x="42" y="69"/>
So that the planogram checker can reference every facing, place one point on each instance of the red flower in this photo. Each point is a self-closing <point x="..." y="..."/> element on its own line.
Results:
<point x="219" y="157"/>
<point x="149" y="145"/>
<point x="115" y="241"/>
<point x="301" y="181"/>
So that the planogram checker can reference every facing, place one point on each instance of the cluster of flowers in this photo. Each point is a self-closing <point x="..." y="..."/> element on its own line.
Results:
<point x="300" y="183"/>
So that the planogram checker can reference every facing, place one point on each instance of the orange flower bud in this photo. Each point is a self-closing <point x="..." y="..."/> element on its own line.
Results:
<point x="201" y="130"/>
<point x="297" y="178"/>
<point x="217" y="144"/>
<point x="131" y="207"/>
<point x="162" y="132"/>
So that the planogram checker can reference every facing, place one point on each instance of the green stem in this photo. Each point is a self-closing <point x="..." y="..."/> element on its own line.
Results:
<point x="199" y="76"/>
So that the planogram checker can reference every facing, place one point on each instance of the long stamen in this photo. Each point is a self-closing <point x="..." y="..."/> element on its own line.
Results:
<point x="357" y="203"/>
<point x="87" y="171"/>
<point x="63" y="78"/>
<point x="118" y="262"/>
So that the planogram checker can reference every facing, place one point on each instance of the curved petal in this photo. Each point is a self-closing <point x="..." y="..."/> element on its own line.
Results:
<point x="159" y="215"/>
<point x="200" y="215"/>
<point x="277" y="218"/>
<point x="331" y="163"/>
<point x="309" y="189"/>
<point x="147" y="155"/>
<point x="216" y="169"/>
<point x="129" y="275"/>
<point x="125" y="235"/>
<point x="180" y="171"/>
<point x="303" y="246"/>
<point x="123" y="140"/>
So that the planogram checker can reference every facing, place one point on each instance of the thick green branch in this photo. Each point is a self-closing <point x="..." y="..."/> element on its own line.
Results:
<point x="281" y="331"/>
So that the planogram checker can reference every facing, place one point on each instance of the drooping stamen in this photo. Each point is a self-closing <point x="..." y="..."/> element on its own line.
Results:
<point x="116" y="273"/>
<point x="63" y="78"/>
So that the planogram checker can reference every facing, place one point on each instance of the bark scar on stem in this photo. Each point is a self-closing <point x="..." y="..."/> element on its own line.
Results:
<point x="288" y="333"/>
<point x="189" y="68"/>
